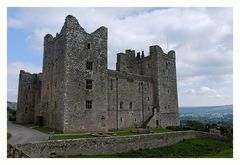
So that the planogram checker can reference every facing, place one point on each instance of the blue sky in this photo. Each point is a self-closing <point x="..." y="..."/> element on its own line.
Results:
<point x="201" y="37"/>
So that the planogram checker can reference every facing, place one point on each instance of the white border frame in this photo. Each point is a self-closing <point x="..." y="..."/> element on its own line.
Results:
<point x="123" y="3"/>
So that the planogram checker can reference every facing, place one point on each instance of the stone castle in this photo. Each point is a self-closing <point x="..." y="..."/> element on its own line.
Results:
<point x="76" y="92"/>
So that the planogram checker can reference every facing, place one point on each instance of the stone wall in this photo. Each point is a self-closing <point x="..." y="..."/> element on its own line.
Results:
<point x="108" y="145"/>
<point x="13" y="152"/>
<point x="129" y="99"/>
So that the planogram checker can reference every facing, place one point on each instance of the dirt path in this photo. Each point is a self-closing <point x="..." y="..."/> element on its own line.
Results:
<point x="21" y="134"/>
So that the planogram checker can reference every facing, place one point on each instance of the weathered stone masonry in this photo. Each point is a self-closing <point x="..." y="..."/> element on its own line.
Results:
<point x="109" y="145"/>
<point x="77" y="93"/>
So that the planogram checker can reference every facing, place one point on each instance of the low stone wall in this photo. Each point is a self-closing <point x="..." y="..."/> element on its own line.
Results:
<point x="108" y="145"/>
<point x="13" y="152"/>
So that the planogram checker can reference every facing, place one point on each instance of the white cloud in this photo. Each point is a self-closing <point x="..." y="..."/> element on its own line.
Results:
<point x="201" y="37"/>
<point x="205" y="91"/>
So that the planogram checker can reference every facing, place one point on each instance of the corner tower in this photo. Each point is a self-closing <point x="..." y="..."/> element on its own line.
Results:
<point x="165" y="86"/>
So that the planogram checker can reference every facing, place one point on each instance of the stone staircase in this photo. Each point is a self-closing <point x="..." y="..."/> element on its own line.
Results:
<point x="144" y="124"/>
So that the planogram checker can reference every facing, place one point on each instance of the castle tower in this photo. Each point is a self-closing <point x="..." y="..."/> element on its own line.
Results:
<point x="74" y="95"/>
<point x="165" y="87"/>
<point x="29" y="94"/>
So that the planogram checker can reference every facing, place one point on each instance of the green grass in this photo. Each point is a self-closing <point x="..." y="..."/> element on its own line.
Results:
<point x="41" y="129"/>
<point x="161" y="130"/>
<point x="129" y="132"/>
<point x="125" y="133"/>
<point x="48" y="130"/>
<point x="192" y="148"/>
<point x="117" y="133"/>
<point x="65" y="137"/>
<point x="223" y="154"/>
<point x="8" y="135"/>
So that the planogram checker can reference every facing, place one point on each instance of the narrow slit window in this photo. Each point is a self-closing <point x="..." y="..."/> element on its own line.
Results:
<point x="130" y="105"/>
<point x="111" y="85"/>
<point x="88" y="46"/>
<point x="55" y="104"/>
<point x="121" y="105"/>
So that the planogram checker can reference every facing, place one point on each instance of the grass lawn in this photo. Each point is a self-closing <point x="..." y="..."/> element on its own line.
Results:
<point x="8" y="135"/>
<point x="192" y="148"/>
<point x="161" y="130"/>
<point x="42" y="129"/>
<point x="129" y="132"/>
<point x="48" y="130"/>
<point x="125" y="133"/>
<point x="223" y="154"/>
<point x="64" y="137"/>
<point x="117" y="133"/>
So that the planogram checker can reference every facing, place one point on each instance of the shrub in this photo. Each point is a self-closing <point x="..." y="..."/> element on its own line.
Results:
<point x="12" y="118"/>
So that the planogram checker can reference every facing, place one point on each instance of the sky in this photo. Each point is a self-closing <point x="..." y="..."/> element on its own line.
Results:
<point x="201" y="38"/>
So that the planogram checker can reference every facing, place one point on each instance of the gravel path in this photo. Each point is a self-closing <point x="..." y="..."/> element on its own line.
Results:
<point x="21" y="134"/>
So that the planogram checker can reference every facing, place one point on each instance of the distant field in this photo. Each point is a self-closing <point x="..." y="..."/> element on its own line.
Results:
<point x="220" y="115"/>
<point x="192" y="148"/>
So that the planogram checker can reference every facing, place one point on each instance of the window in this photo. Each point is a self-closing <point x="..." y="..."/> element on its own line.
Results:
<point x="88" y="84"/>
<point x="29" y="87"/>
<point x="88" y="46"/>
<point x="88" y="104"/>
<point x="121" y="105"/>
<point x="121" y="119"/>
<point x="25" y="109"/>
<point x="148" y="98"/>
<point x="55" y="104"/>
<point x="89" y="65"/>
<point x="26" y="97"/>
<point x="55" y="85"/>
<point x="166" y="65"/>
<point x="130" y="105"/>
<point x="111" y="85"/>
<point x="139" y="87"/>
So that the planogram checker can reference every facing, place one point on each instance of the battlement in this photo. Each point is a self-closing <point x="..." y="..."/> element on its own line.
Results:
<point x="71" y="25"/>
